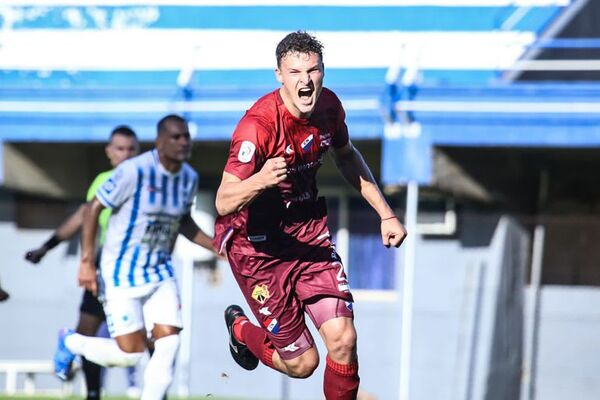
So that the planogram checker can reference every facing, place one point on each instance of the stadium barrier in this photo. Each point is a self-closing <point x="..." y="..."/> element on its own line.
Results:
<point x="30" y="368"/>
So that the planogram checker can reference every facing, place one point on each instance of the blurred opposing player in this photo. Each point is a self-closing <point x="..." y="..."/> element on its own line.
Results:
<point x="273" y="226"/>
<point x="122" y="144"/>
<point x="151" y="197"/>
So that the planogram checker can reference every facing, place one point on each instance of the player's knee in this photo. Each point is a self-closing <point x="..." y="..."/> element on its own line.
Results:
<point x="302" y="371"/>
<point x="131" y="347"/>
<point x="343" y="344"/>
<point x="167" y="346"/>
<point x="303" y="366"/>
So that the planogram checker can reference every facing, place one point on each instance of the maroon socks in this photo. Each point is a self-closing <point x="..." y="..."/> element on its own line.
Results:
<point x="340" y="381"/>
<point x="256" y="339"/>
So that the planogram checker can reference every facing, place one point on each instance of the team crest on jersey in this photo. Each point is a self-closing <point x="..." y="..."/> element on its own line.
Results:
<point x="109" y="185"/>
<point x="261" y="293"/>
<point x="307" y="143"/>
<point x="246" y="151"/>
<point x="272" y="325"/>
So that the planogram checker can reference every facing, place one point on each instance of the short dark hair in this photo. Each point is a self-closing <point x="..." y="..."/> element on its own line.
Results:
<point x="298" y="42"/>
<point x="160" y="126"/>
<point x="123" y="130"/>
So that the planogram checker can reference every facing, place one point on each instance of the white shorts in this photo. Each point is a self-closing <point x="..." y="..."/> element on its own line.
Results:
<point x="133" y="309"/>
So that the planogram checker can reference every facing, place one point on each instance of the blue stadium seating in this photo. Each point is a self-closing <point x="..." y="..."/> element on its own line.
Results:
<point x="71" y="104"/>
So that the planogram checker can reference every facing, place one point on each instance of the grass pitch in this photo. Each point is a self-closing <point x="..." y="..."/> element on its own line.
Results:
<point x="20" y="397"/>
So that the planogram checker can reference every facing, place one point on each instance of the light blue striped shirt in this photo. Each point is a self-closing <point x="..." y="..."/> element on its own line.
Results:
<point x="147" y="202"/>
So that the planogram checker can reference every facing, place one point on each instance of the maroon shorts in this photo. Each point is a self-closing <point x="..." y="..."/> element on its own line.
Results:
<point x="280" y="290"/>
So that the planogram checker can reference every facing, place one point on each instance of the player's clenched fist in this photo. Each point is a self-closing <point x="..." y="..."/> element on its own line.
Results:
<point x="273" y="172"/>
<point x="393" y="232"/>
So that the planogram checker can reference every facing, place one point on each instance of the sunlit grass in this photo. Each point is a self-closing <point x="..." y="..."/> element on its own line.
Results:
<point x="21" y="397"/>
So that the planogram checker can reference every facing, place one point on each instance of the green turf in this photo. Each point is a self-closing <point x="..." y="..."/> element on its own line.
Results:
<point x="20" y="397"/>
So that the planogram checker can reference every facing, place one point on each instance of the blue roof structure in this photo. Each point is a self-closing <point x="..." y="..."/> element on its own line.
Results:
<point x="72" y="70"/>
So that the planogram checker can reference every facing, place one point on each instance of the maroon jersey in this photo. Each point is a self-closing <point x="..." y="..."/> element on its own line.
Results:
<point x="289" y="216"/>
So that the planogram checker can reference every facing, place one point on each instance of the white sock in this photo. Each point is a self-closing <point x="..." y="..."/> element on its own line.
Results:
<point x="102" y="351"/>
<point x="159" y="370"/>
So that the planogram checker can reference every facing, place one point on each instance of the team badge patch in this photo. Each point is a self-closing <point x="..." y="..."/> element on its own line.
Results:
<point x="261" y="293"/>
<point x="246" y="151"/>
<point x="272" y="325"/>
<point x="307" y="143"/>
<point x="109" y="185"/>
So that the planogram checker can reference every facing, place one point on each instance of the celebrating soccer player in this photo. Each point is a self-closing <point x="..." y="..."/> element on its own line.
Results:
<point x="272" y="225"/>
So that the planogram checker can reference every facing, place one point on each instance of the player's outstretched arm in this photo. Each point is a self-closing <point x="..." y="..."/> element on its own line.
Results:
<point x="87" y="269"/>
<point x="234" y="193"/>
<point x="194" y="233"/>
<point x="65" y="231"/>
<point x="352" y="166"/>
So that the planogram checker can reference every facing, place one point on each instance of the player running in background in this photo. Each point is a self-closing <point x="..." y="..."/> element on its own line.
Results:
<point x="273" y="225"/>
<point x="122" y="144"/>
<point x="151" y="197"/>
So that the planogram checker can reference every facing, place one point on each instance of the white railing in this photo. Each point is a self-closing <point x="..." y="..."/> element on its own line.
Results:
<point x="29" y="368"/>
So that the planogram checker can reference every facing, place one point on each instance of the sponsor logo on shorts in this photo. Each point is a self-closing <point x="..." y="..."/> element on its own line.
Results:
<point x="264" y="311"/>
<point x="125" y="320"/>
<point x="349" y="305"/>
<point x="272" y="325"/>
<point x="246" y="151"/>
<point x="261" y="293"/>
<point x="291" y="347"/>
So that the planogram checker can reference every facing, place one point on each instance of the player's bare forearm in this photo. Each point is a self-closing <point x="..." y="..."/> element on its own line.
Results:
<point x="234" y="196"/>
<point x="353" y="168"/>
<point x="192" y="232"/>
<point x="65" y="231"/>
<point x="234" y="193"/>
<point x="89" y="230"/>
<point x="72" y="224"/>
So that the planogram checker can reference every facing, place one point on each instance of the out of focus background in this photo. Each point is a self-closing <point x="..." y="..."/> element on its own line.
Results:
<point x="479" y="118"/>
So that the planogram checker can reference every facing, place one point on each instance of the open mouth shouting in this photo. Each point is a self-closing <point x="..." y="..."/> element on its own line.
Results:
<point x="307" y="98"/>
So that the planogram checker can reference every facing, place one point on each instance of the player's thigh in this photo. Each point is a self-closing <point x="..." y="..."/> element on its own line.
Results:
<point x="125" y="322"/>
<point x="339" y="334"/>
<point x="134" y="342"/>
<point x="324" y="289"/>
<point x="163" y="308"/>
<point x="124" y="315"/>
<point x="268" y="288"/>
